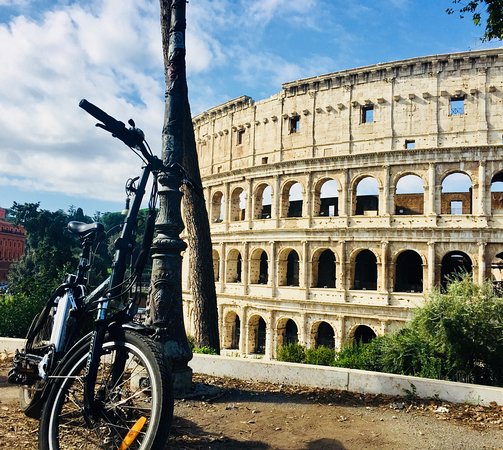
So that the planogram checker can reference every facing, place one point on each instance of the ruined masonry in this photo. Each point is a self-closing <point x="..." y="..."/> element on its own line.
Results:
<point x="340" y="203"/>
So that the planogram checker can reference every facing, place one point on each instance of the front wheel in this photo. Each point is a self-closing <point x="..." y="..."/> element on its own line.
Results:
<point x="134" y="399"/>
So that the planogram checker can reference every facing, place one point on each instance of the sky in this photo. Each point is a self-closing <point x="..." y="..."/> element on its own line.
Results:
<point x="56" y="52"/>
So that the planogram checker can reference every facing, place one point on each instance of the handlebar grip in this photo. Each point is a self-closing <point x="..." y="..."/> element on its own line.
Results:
<point x="99" y="114"/>
<point x="118" y="129"/>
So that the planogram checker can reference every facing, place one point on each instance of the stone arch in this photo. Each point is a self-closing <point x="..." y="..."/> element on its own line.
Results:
<point x="234" y="266"/>
<point x="362" y="334"/>
<point x="454" y="264"/>
<point x="326" y="198"/>
<point x="259" y="267"/>
<point x="263" y="201"/>
<point x="292" y="201"/>
<point x="232" y="331"/>
<point x="497" y="193"/>
<point x="365" y="270"/>
<point x="217" y="207"/>
<point x="409" y="195"/>
<point x="257" y="335"/>
<point x="238" y="204"/>
<point x="456" y="195"/>
<point x="323" y="334"/>
<point x="366" y="196"/>
<point x="287" y="332"/>
<point x="216" y="264"/>
<point x="288" y="268"/>
<point x="408" y="272"/>
<point x="323" y="268"/>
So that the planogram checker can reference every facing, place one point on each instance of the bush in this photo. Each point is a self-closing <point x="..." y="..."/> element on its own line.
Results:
<point x="204" y="350"/>
<point x="456" y="336"/>
<point x="291" y="353"/>
<point x="321" y="356"/>
<point x="17" y="313"/>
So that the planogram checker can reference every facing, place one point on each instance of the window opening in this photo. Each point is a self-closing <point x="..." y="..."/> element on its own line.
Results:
<point x="363" y="334"/>
<point x="456" y="207"/>
<point x="409" y="196"/>
<point x="409" y="272"/>
<point x="328" y="199"/>
<point x="292" y="269"/>
<point x="291" y="333"/>
<point x="236" y="333"/>
<point x="325" y="336"/>
<point x="295" y="201"/>
<point x="410" y="144"/>
<point x="239" y="264"/>
<point x="497" y="193"/>
<point x="365" y="271"/>
<point x="368" y="114"/>
<point x="326" y="270"/>
<point x="260" y="339"/>
<point x="240" y="135"/>
<point x="294" y="124"/>
<point x="264" y="269"/>
<point x="264" y="160"/>
<point x="367" y="197"/>
<point x="454" y="265"/>
<point x="457" y="106"/>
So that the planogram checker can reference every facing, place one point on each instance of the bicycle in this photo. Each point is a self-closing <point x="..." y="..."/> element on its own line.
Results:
<point x="110" y="388"/>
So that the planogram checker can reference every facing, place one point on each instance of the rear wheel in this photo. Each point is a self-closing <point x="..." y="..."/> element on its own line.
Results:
<point x="134" y="400"/>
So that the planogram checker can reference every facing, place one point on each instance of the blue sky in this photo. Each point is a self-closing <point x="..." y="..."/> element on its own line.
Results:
<point x="56" y="52"/>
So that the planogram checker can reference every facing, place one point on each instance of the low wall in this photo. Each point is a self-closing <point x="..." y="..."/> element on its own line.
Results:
<point x="353" y="380"/>
<point x="360" y="381"/>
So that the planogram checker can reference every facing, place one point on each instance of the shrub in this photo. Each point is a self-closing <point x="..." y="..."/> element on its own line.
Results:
<point x="321" y="356"/>
<point x="291" y="353"/>
<point x="204" y="350"/>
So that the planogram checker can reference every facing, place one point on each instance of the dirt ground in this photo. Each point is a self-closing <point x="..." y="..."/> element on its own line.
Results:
<point x="231" y="414"/>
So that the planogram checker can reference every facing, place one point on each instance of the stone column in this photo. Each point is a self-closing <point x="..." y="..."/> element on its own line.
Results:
<point x="227" y="205"/>
<point x="249" y="204"/>
<point x="385" y="197"/>
<point x="431" y="200"/>
<point x="276" y="200"/>
<point x="305" y="267"/>
<point x="273" y="280"/>
<point x="482" y="202"/>
<point x="482" y="262"/>
<point x="431" y="267"/>
<point x="383" y="285"/>
<point x="243" y="329"/>
<point x="245" y="272"/>
<point x="223" y="267"/>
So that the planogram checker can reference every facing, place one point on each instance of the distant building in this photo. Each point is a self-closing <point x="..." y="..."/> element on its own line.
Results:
<point x="12" y="242"/>
<point x="340" y="203"/>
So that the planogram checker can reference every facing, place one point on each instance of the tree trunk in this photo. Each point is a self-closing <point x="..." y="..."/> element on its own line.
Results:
<point x="196" y="222"/>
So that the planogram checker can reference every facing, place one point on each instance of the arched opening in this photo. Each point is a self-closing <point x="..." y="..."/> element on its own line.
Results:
<point x="365" y="277"/>
<point x="497" y="273"/>
<point x="497" y="193"/>
<point x="409" y="195"/>
<point x="259" y="267"/>
<point x="325" y="335"/>
<point x="454" y="265"/>
<point x="217" y="207"/>
<point x="409" y="272"/>
<point x="367" y="197"/>
<point x="292" y="269"/>
<point x="257" y="335"/>
<point x="291" y="200"/>
<point x="238" y="205"/>
<point x="363" y="334"/>
<point x="328" y="200"/>
<point x="234" y="264"/>
<point x="456" y="197"/>
<point x="232" y="331"/>
<point x="216" y="265"/>
<point x="326" y="269"/>
<point x="263" y="202"/>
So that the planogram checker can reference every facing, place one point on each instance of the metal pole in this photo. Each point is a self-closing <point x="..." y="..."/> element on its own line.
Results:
<point x="165" y="296"/>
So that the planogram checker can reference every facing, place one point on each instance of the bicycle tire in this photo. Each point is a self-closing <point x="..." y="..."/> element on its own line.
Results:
<point x="30" y="396"/>
<point x="144" y="389"/>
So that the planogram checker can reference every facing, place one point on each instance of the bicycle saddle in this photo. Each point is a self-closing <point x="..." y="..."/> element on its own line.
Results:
<point x="85" y="229"/>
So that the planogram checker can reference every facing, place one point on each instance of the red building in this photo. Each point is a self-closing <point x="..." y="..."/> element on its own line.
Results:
<point x="12" y="242"/>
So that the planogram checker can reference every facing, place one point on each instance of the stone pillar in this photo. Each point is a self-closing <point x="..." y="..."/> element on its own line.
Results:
<point x="431" y="267"/>
<point x="384" y="200"/>
<point x="223" y="267"/>
<point x="270" y="336"/>
<point x="249" y="204"/>
<point x="482" y="262"/>
<point x="383" y="275"/>
<point x="276" y="200"/>
<point x="482" y="194"/>
<point x="245" y="272"/>
<point x="227" y="205"/>
<point x="431" y="206"/>
<point x="243" y="329"/>
<point x="273" y="277"/>
<point x="342" y="272"/>
<point x="305" y="267"/>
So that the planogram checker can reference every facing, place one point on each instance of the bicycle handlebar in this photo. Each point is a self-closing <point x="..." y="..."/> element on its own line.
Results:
<point x="131" y="137"/>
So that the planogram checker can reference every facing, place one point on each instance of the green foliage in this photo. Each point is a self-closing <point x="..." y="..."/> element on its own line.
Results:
<point x="457" y="335"/>
<point x="205" y="350"/>
<point x="320" y="356"/>
<point x="493" y="11"/>
<point x="291" y="353"/>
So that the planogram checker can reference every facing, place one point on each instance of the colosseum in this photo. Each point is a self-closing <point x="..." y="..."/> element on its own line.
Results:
<point x="338" y="204"/>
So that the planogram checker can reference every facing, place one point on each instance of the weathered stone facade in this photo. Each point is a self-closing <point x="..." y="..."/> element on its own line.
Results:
<point x="338" y="204"/>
